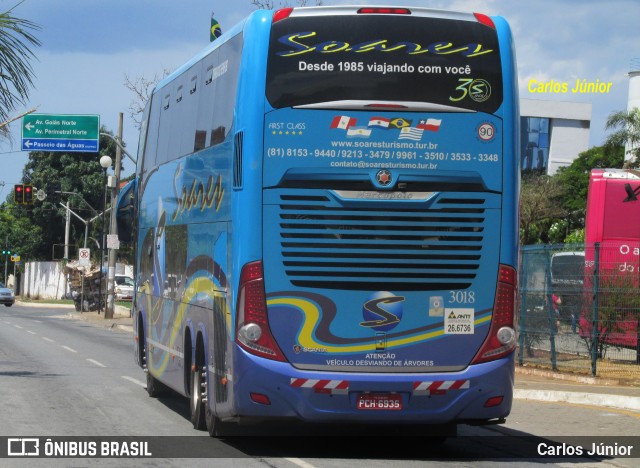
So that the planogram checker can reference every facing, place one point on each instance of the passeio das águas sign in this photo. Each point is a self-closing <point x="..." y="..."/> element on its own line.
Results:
<point x="68" y="133"/>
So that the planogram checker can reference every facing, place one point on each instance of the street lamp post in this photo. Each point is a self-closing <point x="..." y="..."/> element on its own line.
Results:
<point x="105" y="162"/>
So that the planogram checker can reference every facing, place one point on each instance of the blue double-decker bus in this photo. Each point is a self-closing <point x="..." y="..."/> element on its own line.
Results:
<point x="325" y="218"/>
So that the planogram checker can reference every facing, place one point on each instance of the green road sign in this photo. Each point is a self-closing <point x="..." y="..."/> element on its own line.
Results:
<point x="68" y="133"/>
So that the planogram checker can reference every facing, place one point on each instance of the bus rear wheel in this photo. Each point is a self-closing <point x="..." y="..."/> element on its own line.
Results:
<point x="197" y="401"/>
<point x="214" y="425"/>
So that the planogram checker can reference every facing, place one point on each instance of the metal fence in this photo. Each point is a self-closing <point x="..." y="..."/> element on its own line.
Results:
<point x="579" y="309"/>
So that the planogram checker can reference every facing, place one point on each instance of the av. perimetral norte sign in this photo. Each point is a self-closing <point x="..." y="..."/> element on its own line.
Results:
<point x="69" y="133"/>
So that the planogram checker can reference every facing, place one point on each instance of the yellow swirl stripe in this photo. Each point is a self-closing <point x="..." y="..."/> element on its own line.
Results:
<point x="312" y="318"/>
<point x="202" y="285"/>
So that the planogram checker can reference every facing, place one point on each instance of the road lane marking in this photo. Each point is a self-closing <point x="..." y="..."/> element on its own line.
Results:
<point x="69" y="349"/>
<point x="48" y="339"/>
<point x="135" y="381"/>
<point x="18" y="326"/>
<point x="300" y="463"/>
<point x="31" y="332"/>
<point x="93" y="361"/>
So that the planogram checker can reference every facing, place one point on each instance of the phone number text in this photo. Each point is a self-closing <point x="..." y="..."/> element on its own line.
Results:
<point x="382" y="155"/>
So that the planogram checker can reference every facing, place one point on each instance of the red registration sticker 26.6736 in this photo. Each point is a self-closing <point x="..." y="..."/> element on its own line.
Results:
<point x="379" y="402"/>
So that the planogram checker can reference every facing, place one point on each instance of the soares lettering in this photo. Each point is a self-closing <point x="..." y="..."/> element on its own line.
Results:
<point x="198" y="196"/>
<point x="298" y="47"/>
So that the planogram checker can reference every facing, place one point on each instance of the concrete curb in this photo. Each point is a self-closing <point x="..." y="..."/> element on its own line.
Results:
<point x="44" y="304"/>
<point x="607" y="393"/>
<point x="580" y="398"/>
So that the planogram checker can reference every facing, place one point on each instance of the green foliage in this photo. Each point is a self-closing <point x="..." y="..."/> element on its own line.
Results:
<point x="558" y="231"/>
<point x="79" y="173"/>
<point x="16" y="74"/>
<point x="553" y="207"/>
<point x="627" y="132"/>
<point x="575" y="237"/>
<point x="540" y="207"/>
<point x="18" y="234"/>
<point x="575" y="178"/>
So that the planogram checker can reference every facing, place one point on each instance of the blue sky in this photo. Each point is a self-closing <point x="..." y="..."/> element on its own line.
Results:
<point x="88" y="46"/>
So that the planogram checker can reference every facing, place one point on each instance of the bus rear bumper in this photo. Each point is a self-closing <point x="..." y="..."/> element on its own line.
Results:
<point x="480" y="394"/>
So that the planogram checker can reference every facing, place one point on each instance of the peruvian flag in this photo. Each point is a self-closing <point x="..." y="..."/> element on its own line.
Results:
<point x="343" y="121"/>
<point x="432" y="125"/>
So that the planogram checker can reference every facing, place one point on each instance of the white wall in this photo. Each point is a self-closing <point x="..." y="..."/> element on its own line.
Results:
<point x="46" y="280"/>
<point x="43" y="280"/>
<point x="569" y="138"/>
<point x="569" y="130"/>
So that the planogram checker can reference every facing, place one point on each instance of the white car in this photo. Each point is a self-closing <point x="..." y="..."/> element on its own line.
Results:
<point x="124" y="288"/>
<point x="6" y="296"/>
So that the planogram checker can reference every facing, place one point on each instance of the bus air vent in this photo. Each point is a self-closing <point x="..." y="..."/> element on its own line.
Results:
<point x="324" y="244"/>
<point x="237" y="160"/>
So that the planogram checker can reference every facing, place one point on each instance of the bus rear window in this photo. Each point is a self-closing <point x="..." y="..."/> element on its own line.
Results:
<point x="317" y="59"/>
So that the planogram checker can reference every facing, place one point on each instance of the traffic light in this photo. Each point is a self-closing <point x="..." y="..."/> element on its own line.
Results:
<point x="53" y="190"/>
<point x="6" y="252"/>
<point x="28" y="194"/>
<point x="18" y="193"/>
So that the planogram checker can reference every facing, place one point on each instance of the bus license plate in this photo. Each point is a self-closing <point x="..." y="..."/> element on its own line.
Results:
<point x="379" y="402"/>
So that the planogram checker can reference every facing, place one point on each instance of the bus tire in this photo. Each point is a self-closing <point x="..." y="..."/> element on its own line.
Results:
<point x="155" y="388"/>
<point x="215" y="426"/>
<point x="197" y="405"/>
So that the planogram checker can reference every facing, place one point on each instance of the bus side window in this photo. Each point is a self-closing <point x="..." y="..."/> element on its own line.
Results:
<point x="125" y="211"/>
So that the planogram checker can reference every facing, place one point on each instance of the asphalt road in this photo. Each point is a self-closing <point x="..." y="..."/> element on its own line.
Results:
<point x="60" y="376"/>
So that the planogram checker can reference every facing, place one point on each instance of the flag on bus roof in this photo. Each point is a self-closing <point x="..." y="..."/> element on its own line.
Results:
<point x="215" y="31"/>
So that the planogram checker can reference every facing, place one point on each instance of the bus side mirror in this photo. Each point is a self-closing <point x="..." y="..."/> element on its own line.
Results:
<point x="126" y="211"/>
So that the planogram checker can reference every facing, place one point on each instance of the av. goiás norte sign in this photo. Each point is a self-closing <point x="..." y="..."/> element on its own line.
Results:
<point x="69" y="133"/>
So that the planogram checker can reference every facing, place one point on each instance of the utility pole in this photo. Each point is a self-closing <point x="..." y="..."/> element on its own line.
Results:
<point x="109" y="310"/>
<point x="66" y="232"/>
<point x="6" y="257"/>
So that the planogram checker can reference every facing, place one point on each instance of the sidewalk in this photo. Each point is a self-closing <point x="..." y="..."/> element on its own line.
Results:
<point x="121" y="319"/>
<point x="539" y="385"/>
<point x="531" y="384"/>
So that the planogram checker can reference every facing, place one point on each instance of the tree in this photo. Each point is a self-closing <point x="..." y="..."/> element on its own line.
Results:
<point x="627" y="133"/>
<point x="78" y="173"/>
<point x="16" y="74"/>
<point x="575" y="178"/>
<point x="539" y="207"/>
<point x="18" y="234"/>
<point x="141" y="88"/>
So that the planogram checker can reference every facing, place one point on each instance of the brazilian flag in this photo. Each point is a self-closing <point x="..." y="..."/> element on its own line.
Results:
<point x="216" y="30"/>
<point x="400" y="123"/>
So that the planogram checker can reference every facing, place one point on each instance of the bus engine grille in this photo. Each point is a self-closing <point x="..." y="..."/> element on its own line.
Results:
<point x="382" y="245"/>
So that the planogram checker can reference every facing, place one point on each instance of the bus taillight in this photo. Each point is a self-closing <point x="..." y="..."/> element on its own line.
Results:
<point x="501" y="340"/>
<point x="252" y="330"/>
<point x="384" y="11"/>
<point x="484" y="19"/>
<point x="281" y="14"/>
